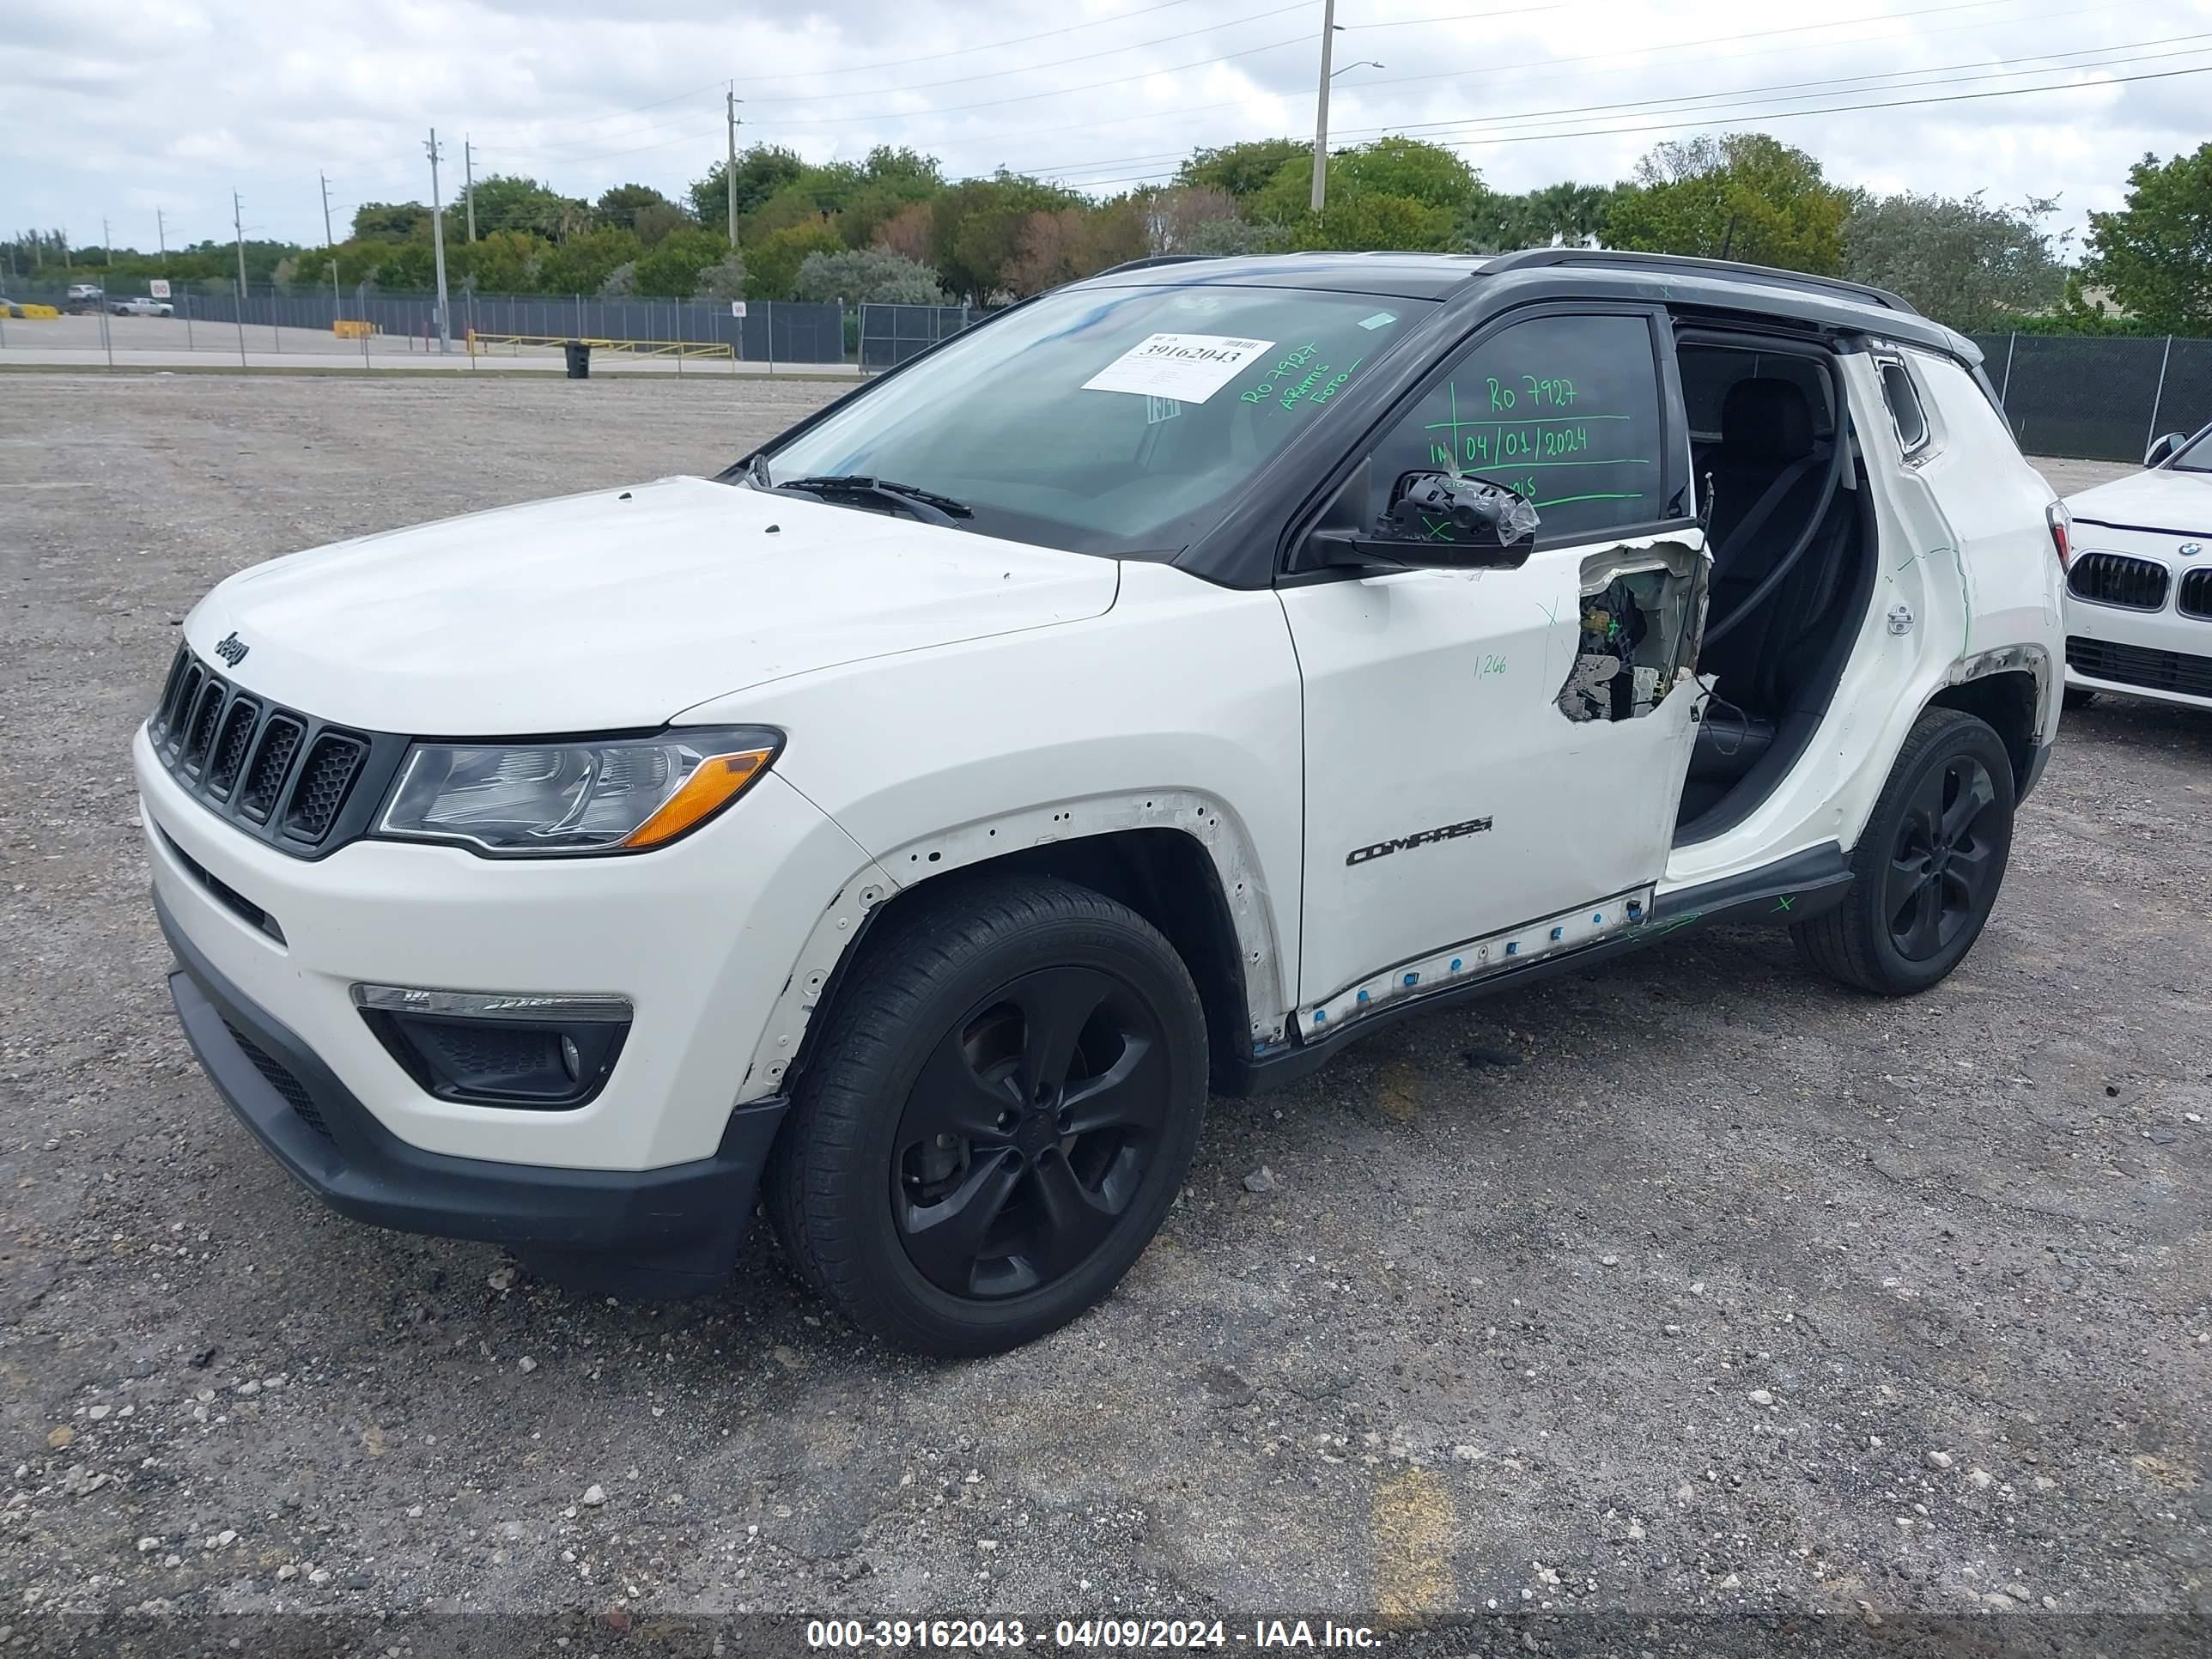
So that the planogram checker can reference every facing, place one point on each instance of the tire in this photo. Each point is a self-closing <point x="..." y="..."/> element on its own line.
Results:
<point x="933" y="1181"/>
<point x="1928" y="866"/>
<point x="2078" y="696"/>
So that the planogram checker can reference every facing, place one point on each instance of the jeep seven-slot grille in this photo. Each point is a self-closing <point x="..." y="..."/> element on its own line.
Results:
<point x="284" y="777"/>
<point x="272" y="764"/>
<point x="238" y="724"/>
<point x="2196" y="598"/>
<point x="321" y="789"/>
<point x="2115" y="579"/>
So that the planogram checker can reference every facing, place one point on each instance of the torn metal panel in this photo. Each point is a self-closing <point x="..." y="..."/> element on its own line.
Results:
<point x="1480" y="959"/>
<point x="1642" y="609"/>
<point x="2012" y="658"/>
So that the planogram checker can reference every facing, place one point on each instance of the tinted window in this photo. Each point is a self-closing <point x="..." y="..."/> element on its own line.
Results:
<point x="1108" y="420"/>
<point x="1565" y="409"/>
<point x="1904" y="406"/>
<point x="1708" y="371"/>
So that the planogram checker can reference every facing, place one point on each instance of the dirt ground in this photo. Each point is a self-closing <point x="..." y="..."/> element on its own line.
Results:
<point x="1686" y="1284"/>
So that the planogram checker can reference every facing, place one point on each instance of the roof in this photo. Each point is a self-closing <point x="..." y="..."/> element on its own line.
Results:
<point x="1492" y="281"/>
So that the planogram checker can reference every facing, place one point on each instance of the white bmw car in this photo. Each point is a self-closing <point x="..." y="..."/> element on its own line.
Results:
<point x="2139" y="586"/>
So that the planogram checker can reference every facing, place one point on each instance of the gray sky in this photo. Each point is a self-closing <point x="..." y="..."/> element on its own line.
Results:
<point x="118" y="107"/>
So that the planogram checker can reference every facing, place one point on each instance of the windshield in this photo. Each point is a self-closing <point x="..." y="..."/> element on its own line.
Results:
<point x="2196" y="455"/>
<point x="1111" y="420"/>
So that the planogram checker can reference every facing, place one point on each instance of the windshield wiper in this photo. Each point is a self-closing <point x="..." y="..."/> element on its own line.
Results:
<point x="925" y="505"/>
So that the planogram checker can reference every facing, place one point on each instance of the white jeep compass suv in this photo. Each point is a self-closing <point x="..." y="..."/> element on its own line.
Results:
<point x="1169" y="681"/>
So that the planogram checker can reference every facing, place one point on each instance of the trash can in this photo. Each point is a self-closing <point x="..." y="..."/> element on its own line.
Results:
<point x="579" y="354"/>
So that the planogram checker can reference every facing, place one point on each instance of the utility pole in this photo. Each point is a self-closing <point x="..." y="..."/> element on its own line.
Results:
<point x="338" y="305"/>
<point x="730" y="167"/>
<point x="107" y="242"/>
<point x="1320" y="108"/>
<point x="469" y="182"/>
<point x="437" y="244"/>
<point x="238" y="233"/>
<point x="161" y="236"/>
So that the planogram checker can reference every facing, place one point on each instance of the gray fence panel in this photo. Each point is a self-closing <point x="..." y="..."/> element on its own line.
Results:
<point x="2185" y="401"/>
<point x="890" y="334"/>
<point x="2083" y="396"/>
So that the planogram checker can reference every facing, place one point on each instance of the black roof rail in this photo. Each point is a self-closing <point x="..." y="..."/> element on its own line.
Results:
<point x="1865" y="293"/>
<point x="1156" y="260"/>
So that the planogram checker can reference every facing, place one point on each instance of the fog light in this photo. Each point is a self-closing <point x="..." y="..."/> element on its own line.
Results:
<point x="530" y="1049"/>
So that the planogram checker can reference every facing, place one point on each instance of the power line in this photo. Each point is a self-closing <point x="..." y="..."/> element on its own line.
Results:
<point x="1844" y="109"/>
<point x="842" y="92"/>
<point x="1627" y="51"/>
<point x="1718" y="115"/>
<point x="1061" y="169"/>
<point x="1841" y="87"/>
<point x="1832" y="85"/>
<point x="577" y="153"/>
<point x="1725" y="118"/>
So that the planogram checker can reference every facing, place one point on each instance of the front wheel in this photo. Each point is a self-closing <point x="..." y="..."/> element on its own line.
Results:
<point x="1928" y="865"/>
<point x="1005" y="1104"/>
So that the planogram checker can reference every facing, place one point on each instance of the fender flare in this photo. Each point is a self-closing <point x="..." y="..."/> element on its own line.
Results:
<point x="830" y="947"/>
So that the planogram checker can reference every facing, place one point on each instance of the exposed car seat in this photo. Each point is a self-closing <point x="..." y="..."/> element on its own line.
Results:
<point x="1774" y="470"/>
<point x="1766" y="464"/>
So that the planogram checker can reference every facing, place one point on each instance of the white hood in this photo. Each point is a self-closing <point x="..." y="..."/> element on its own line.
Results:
<point x="2159" y="499"/>
<point x="618" y="609"/>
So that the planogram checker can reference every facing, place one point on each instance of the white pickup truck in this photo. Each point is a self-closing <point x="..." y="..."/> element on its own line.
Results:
<point x="1164" y="684"/>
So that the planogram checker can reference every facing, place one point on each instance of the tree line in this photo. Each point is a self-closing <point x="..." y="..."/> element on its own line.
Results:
<point x="891" y="227"/>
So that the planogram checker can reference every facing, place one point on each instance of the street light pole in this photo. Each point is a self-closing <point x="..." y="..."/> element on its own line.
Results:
<point x="1320" y="108"/>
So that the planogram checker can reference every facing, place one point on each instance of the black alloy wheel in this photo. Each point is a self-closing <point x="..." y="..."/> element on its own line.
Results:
<point x="1941" y="863"/>
<point x="1028" y="1132"/>
<point x="1005" y="1099"/>
<point x="1927" y="866"/>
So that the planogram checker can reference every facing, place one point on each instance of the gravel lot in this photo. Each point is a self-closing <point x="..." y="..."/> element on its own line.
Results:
<point x="1688" y="1283"/>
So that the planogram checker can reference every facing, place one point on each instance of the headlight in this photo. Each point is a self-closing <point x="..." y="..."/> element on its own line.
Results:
<point x="611" y="795"/>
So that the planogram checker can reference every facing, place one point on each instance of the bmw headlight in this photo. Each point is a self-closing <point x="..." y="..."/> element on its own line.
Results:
<point x="597" y="795"/>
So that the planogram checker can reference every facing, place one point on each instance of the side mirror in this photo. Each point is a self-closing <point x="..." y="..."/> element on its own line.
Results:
<point x="1437" y="521"/>
<point x="2164" y="449"/>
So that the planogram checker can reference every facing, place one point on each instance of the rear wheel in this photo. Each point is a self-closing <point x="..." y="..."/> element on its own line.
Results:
<point x="1928" y="866"/>
<point x="1005" y="1104"/>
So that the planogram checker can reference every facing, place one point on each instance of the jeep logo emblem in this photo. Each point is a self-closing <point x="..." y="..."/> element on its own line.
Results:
<point x="231" y="648"/>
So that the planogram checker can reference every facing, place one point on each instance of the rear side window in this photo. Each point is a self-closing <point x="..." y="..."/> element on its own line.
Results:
<point x="1905" y="408"/>
<point x="1565" y="409"/>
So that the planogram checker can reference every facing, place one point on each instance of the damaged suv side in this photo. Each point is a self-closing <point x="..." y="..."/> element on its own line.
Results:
<point x="1174" y="678"/>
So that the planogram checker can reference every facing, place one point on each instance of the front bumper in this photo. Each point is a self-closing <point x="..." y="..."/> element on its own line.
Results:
<point x="699" y="935"/>
<point x="2164" y="653"/>
<point x="672" y="1230"/>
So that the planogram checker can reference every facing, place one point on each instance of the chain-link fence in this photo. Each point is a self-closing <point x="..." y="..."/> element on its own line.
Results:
<point x="2087" y="397"/>
<point x="889" y="334"/>
<point x="211" y="317"/>
<point x="2099" y="397"/>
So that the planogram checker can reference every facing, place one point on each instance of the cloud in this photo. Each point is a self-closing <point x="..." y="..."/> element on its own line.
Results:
<point x="116" y="108"/>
